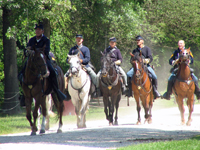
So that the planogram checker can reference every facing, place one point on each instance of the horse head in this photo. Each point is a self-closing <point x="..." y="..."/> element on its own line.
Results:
<point x="106" y="64"/>
<point x="38" y="60"/>
<point x="75" y="64"/>
<point x="185" y="55"/>
<point x="137" y="63"/>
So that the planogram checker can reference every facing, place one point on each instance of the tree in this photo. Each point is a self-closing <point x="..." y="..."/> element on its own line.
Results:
<point x="11" y="103"/>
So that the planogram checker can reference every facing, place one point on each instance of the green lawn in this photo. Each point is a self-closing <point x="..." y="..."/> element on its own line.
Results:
<point x="190" y="144"/>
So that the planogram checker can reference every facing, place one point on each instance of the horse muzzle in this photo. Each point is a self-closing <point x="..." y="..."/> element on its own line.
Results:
<point x="74" y="71"/>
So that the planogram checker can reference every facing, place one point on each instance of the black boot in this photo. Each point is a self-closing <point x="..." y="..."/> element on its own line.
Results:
<point x="129" y="91"/>
<point x="155" y="91"/>
<point x="167" y="94"/>
<point x="60" y="95"/>
<point x="197" y="90"/>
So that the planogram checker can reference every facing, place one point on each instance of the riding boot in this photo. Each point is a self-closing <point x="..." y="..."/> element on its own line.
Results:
<point x="129" y="92"/>
<point x="155" y="91"/>
<point x="60" y="95"/>
<point x="167" y="94"/>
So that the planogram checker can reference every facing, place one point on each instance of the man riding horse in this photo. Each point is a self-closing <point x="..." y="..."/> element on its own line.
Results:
<point x="117" y="59"/>
<point x="84" y="57"/>
<point x="39" y="41"/>
<point x="146" y="53"/>
<point x="172" y="61"/>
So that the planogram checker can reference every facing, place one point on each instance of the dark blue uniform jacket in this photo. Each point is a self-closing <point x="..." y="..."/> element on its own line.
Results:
<point x="115" y="54"/>
<point x="175" y="56"/>
<point x="85" y="51"/>
<point x="44" y="40"/>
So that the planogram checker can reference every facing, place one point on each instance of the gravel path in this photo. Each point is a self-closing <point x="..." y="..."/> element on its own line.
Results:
<point x="98" y="135"/>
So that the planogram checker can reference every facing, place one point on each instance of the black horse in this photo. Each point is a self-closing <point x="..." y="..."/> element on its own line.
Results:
<point x="110" y="86"/>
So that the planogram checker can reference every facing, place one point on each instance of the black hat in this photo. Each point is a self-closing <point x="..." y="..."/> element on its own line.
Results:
<point x="79" y="35"/>
<point x="113" y="39"/>
<point x="39" y="26"/>
<point x="139" y="38"/>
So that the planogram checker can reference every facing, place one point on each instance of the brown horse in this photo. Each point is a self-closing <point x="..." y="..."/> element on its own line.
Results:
<point x="184" y="86"/>
<point x="142" y="87"/>
<point x="110" y="86"/>
<point x="37" y="85"/>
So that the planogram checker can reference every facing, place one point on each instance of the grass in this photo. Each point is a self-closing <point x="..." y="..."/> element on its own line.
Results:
<point x="188" y="144"/>
<point x="18" y="123"/>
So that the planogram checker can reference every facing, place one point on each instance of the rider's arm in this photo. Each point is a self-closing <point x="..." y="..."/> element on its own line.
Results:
<point x="191" y="58"/>
<point x="172" y="58"/>
<point x="47" y="48"/>
<point x="149" y="54"/>
<point x="86" y="53"/>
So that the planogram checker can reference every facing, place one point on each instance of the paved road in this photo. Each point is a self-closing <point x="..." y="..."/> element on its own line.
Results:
<point x="98" y="135"/>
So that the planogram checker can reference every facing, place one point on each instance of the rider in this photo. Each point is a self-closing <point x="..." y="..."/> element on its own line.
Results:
<point x="39" y="41"/>
<point x="172" y="61"/>
<point x="84" y="57"/>
<point x="146" y="53"/>
<point x="117" y="58"/>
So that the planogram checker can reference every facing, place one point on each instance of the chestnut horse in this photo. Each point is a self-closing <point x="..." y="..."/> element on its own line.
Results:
<point x="37" y="85"/>
<point x="142" y="87"/>
<point x="184" y="86"/>
<point x="110" y="86"/>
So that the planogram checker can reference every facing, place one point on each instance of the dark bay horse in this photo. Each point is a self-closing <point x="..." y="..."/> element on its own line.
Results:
<point x="37" y="85"/>
<point x="184" y="86"/>
<point x="110" y="86"/>
<point x="142" y="87"/>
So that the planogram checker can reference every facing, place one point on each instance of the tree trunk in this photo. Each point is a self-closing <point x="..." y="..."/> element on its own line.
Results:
<point x="47" y="29"/>
<point x="11" y="95"/>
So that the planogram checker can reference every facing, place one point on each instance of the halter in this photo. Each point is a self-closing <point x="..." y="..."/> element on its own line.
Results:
<point x="140" y="78"/>
<point x="109" y="84"/>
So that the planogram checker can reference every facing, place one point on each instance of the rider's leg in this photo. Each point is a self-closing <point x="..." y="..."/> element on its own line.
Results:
<point x="154" y="83"/>
<point x="92" y="75"/>
<point x="197" y="90"/>
<point x="53" y="77"/>
<point x="171" y="79"/>
<point x="123" y="75"/>
<point x="130" y="75"/>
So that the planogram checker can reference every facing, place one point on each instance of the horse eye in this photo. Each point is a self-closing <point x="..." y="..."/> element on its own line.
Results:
<point x="78" y="61"/>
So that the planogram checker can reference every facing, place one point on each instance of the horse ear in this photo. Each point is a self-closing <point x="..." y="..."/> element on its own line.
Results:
<point x="131" y="54"/>
<point x="33" y="47"/>
<point x="43" y="48"/>
<point x="102" y="53"/>
<point x="189" y="48"/>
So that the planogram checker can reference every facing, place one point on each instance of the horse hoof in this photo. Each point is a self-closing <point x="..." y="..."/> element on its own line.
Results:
<point x="42" y="131"/>
<point x="110" y="124"/>
<point x="116" y="123"/>
<point x="182" y="123"/>
<point x="59" y="131"/>
<point x="33" y="133"/>
<point x="149" y="121"/>
<point x="188" y="123"/>
<point x="138" y="123"/>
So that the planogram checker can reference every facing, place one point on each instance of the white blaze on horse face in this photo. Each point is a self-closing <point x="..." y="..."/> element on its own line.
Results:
<point x="74" y="64"/>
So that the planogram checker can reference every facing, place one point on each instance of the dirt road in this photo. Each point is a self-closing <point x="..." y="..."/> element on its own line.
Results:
<point x="98" y="135"/>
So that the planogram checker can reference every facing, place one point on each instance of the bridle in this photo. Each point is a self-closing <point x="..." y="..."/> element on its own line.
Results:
<point x="109" y="84"/>
<point x="138" y="80"/>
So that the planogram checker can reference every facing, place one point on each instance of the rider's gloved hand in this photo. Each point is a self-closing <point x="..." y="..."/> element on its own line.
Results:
<point x="81" y="61"/>
<point x="146" y="60"/>
<point x="118" y="62"/>
<point x="174" y="62"/>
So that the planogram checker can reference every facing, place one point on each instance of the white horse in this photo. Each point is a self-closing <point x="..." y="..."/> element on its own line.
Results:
<point x="79" y="88"/>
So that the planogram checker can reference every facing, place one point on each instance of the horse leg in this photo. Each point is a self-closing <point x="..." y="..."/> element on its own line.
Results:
<point x="105" y="101"/>
<point x="60" y="110"/>
<point x="44" y="112"/>
<point x="145" y="103"/>
<point x="48" y="105"/>
<point x="150" y="108"/>
<point x="137" y="99"/>
<point x="190" y="103"/>
<point x="116" y="109"/>
<point x="38" y="119"/>
<point x="28" y="102"/>
<point x="181" y="109"/>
